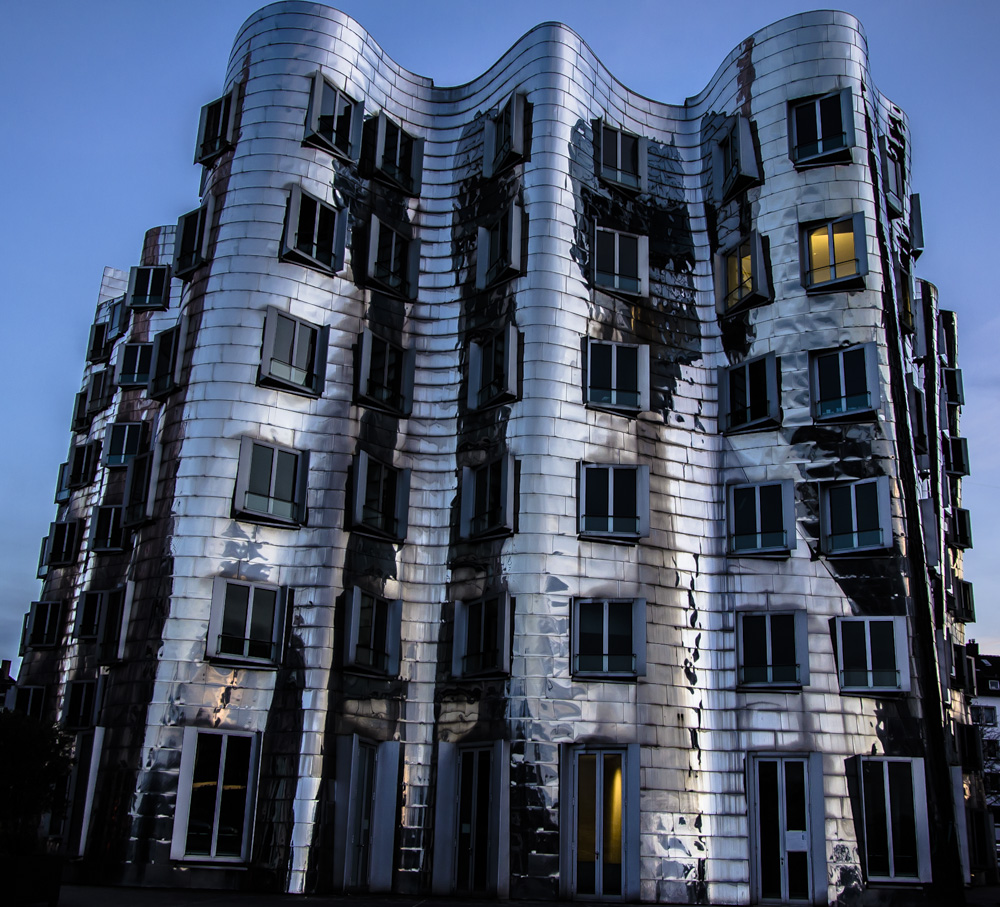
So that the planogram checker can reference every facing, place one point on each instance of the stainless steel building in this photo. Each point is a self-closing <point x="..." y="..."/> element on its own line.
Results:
<point x="523" y="488"/>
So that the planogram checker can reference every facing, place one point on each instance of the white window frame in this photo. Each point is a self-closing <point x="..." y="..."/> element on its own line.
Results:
<point x="463" y="648"/>
<point x="397" y="531"/>
<point x="474" y="518"/>
<point x="592" y="394"/>
<point x="373" y="392"/>
<point x="389" y="648"/>
<point x="641" y="504"/>
<point x="404" y="249"/>
<point x="215" y="651"/>
<point x="143" y="276"/>
<point x="196" y="225"/>
<point x="788" y="525"/>
<point x="828" y="150"/>
<point x="751" y="290"/>
<point x="638" y="628"/>
<point x="494" y="265"/>
<point x="182" y="812"/>
<point x="275" y="372"/>
<point x="244" y="511"/>
<point x="901" y="655"/>
<point x="734" y="158"/>
<point x="884" y="513"/>
<point x="770" y="412"/>
<point x="503" y="138"/>
<point x="800" y="630"/>
<point x="642" y="257"/>
<point x="855" y="280"/>
<point x="482" y="354"/>
<point x="920" y="818"/>
<point x="327" y="260"/>
<point x="316" y="135"/>
<point x="409" y="183"/>
<point x="846" y="411"/>
<point x="616" y="176"/>
<point x="223" y="137"/>
<point x="123" y="441"/>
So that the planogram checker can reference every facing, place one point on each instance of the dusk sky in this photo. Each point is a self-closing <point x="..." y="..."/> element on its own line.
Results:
<point x="100" y="110"/>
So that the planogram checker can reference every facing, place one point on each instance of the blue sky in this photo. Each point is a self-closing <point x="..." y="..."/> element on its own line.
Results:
<point x="99" y="115"/>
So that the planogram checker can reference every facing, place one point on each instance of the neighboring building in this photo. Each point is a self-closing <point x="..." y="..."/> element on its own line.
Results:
<point x="523" y="488"/>
<point x="985" y="708"/>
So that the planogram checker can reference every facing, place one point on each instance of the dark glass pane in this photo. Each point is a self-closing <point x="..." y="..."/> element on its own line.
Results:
<point x="480" y="850"/>
<point x="625" y="509"/>
<point x="770" y="829"/>
<point x="883" y="653"/>
<point x="284" y="482"/>
<point x="795" y="796"/>
<point x="620" y="652"/>
<point x="629" y="156"/>
<point x="600" y="372"/>
<point x="855" y="382"/>
<point x="326" y="232"/>
<point x="363" y="795"/>
<point x="590" y="636"/>
<point x="745" y="518"/>
<point x="586" y="824"/>
<point x="305" y="350"/>
<point x="628" y="257"/>
<point x="627" y="376"/>
<point x="841" y="517"/>
<point x="830" y="400"/>
<point x="806" y="135"/>
<point x="772" y="529"/>
<point x="204" y="790"/>
<point x="260" y="471"/>
<point x="466" y="819"/>
<point x="831" y="123"/>
<point x="305" y="240"/>
<point x="233" y="799"/>
<point x="609" y="149"/>
<point x="739" y="412"/>
<point x="783" y="657"/>
<point x="611" y="838"/>
<point x="605" y="253"/>
<point x="755" y="655"/>
<point x="904" y="820"/>
<point x="597" y="480"/>
<point x="474" y="638"/>
<point x="798" y="875"/>
<point x="284" y="339"/>
<point x="262" y="622"/>
<point x="758" y="403"/>
<point x="854" y="652"/>
<point x="876" y="816"/>
<point x="234" y="619"/>
<point x="866" y="503"/>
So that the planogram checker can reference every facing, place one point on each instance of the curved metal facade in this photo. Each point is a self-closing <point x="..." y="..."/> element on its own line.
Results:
<point x="482" y="446"/>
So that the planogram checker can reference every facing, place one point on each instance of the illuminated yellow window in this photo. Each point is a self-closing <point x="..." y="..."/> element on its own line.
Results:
<point x="835" y="251"/>
<point x="739" y="274"/>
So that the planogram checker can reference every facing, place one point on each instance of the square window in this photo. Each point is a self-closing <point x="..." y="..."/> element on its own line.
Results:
<point x="621" y="157"/>
<point x="30" y="701"/>
<point x="61" y="544"/>
<point x="481" y="643"/>
<point x="855" y="516"/>
<point x="165" y="363"/>
<point x="614" y="501"/>
<point x="488" y="498"/>
<point x="247" y="621"/>
<point x="762" y="518"/>
<point x="750" y="395"/>
<point x="742" y="275"/>
<point x="385" y="374"/>
<point x="985" y="715"/>
<point x="892" y="173"/>
<point x="213" y="819"/>
<point x="149" y="287"/>
<point x="398" y="155"/>
<point x="734" y="159"/>
<point x="314" y="233"/>
<point x="956" y="455"/>
<point x="83" y="460"/>
<point x="191" y="244"/>
<point x="609" y="637"/>
<point x="845" y="383"/>
<point x="372" y="633"/>
<point x="216" y="128"/>
<point x="773" y="649"/>
<point x="381" y="497"/>
<point x="80" y="708"/>
<point x="504" y="140"/>
<point x="873" y="654"/>
<point x="41" y="628"/>
<point x="498" y="255"/>
<point x="293" y="355"/>
<point x="621" y="262"/>
<point x="100" y="391"/>
<point x="88" y="615"/>
<point x="107" y="534"/>
<point x="617" y="376"/>
<point x="493" y="368"/>
<point x="834" y="254"/>
<point x="894" y="810"/>
<point x="123" y="441"/>
<point x="134" y="364"/>
<point x="271" y="483"/>
<point x="994" y="685"/>
<point x="954" y="388"/>
<point x="393" y="260"/>
<point x="140" y="487"/>
<point x="821" y="129"/>
<point x="334" y="121"/>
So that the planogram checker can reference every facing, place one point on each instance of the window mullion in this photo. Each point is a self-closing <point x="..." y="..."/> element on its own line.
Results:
<point x="219" y="779"/>
<point x="606" y="642"/>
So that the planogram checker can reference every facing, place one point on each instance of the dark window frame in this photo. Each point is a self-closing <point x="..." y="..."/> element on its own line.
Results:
<point x="764" y="542"/>
<point x="286" y="369"/>
<point x="609" y="669"/>
<point x="329" y="136"/>
<point x="834" y="148"/>
<point x="249" y="501"/>
<point x="255" y="648"/>
<point x="368" y="513"/>
<point x="588" y="521"/>
<point x="314" y="233"/>
<point x="617" y="397"/>
<point x="824" y="278"/>
<point x="381" y="366"/>
<point x="867" y="544"/>
<point x="142" y="279"/>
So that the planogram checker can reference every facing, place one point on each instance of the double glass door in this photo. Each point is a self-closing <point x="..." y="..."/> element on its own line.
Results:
<point x="782" y="806"/>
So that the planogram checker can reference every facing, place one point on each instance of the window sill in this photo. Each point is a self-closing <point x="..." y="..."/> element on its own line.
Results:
<point x="626" y="412"/>
<point x="290" y="387"/>
<point x="605" y="676"/>
<point x="612" y="290"/>
<point x="612" y="538"/>
<point x="756" y="425"/>
<point x="383" y="176"/>
<point x="239" y="661"/>
<point x="769" y="687"/>
<point x="267" y="519"/>
<point x="379" y="405"/>
<point x="836" y="156"/>
<point x="775" y="553"/>
<point x="853" y="282"/>
<point x="633" y="188"/>
<point x="853" y="415"/>
<point x="866" y="551"/>
<point x="487" y="674"/>
<point x="873" y="691"/>
<point x="207" y="862"/>
<point x="295" y="256"/>
<point x="376" y="533"/>
<point x="315" y="140"/>
<point x="369" y="673"/>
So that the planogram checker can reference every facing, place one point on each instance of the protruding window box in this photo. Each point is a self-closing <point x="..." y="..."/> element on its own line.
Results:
<point x="372" y="633"/>
<point x="247" y="622"/>
<point x="617" y="376"/>
<point x="750" y="396"/>
<point x="762" y="519"/>
<point x="609" y="638"/>
<point x="742" y="276"/>
<point x="845" y="384"/>
<point x="614" y="502"/>
<point x="834" y="254"/>
<point x="381" y="495"/>
<point x="271" y="483"/>
<point x="294" y="353"/>
<point x="314" y="233"/>
<point x="821" y="129"/>
<point x="149" y="288"/>
<point x="334" y="120"/>
<point x="216" y="130"/>
<point x="505" y="142"/>
<point x="621" y="157"/>
<point x="393" y="260"/>
<point x="481" y="645"/>
<point x="855" y="516"/>
<point x="493" y="373"/>
<point x="385" y="374"/>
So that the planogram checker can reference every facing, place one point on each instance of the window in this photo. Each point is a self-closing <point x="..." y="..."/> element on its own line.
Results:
<point x="83" y="460"/>
<point x="822" y="129"/>
<point x="99" y="345"/>
<point x="742" y="275"/>
<point x="164" y="375"/>
<point x="896" y="841"/>
<point x="488" y="498"/>
<point x="617" y="375"/>
<point x="372" y="632"/>
<point x="107" y="534"/>
<point x="985" y="715"/>
<point x="79" y="709"/>
<point x="954" y="387"/>
<point x="773" y="649"/>
<point x="855" y="516"/>
<point x="749" y="395"/>
<point x="385" y="374"/>
<point x="994" y="685"/>
<point x="845" y="382"/>
<point x="216" y="129"/>
<point x="191" y="244"/>
<point x="960" y="528"/>
<point x="762" y="518"/>
<point x="916" y="226"/>
<point x="60" y="546"/>
<point x="102" y="616"/>
<point x="123" y="441"/>
<point x="149" y="287"/>
<point x="81" y="418"/>
<point x="621" y="157"/>
<point x="498" y="254"/>
<point x="873" y="654"/>
<point x="88" y="615"/>
<point x="614" y="501"/>
<point x="398" y="155"/>
<point x="956" y="455"/>
<point x="62" y="494"/>
<point x="381" y="497"/>
<point x="481" y="643"/>
<point x="734" y="159"/>
<point x="892" y="171"/>
<point x="215" y="796"/>
<point x="393" y="260"/>
<point x="30" y="701"/>
<point x="314" y="233"/>
<point x="100" y="391"/>
<point x="117" y="316"/>
<point x="609" y="637"/>
<point x="247" y="621"/>
<point x="140" y="487"/>
<point x="962" y="602"/>
<point x="621" y="262"/>
<point x="41" y="628"/>
<point x="293" y="356"/>
<point x="333" y="121"/>
<point x="504" y="140"/>
<point x="134" y="363"/>
<point x="493" y="368"/>
<point x="271" y="483"/>
<point x="918" y="417"/>
<point x="904" y="294"/>
<point x="835" y="254"/>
